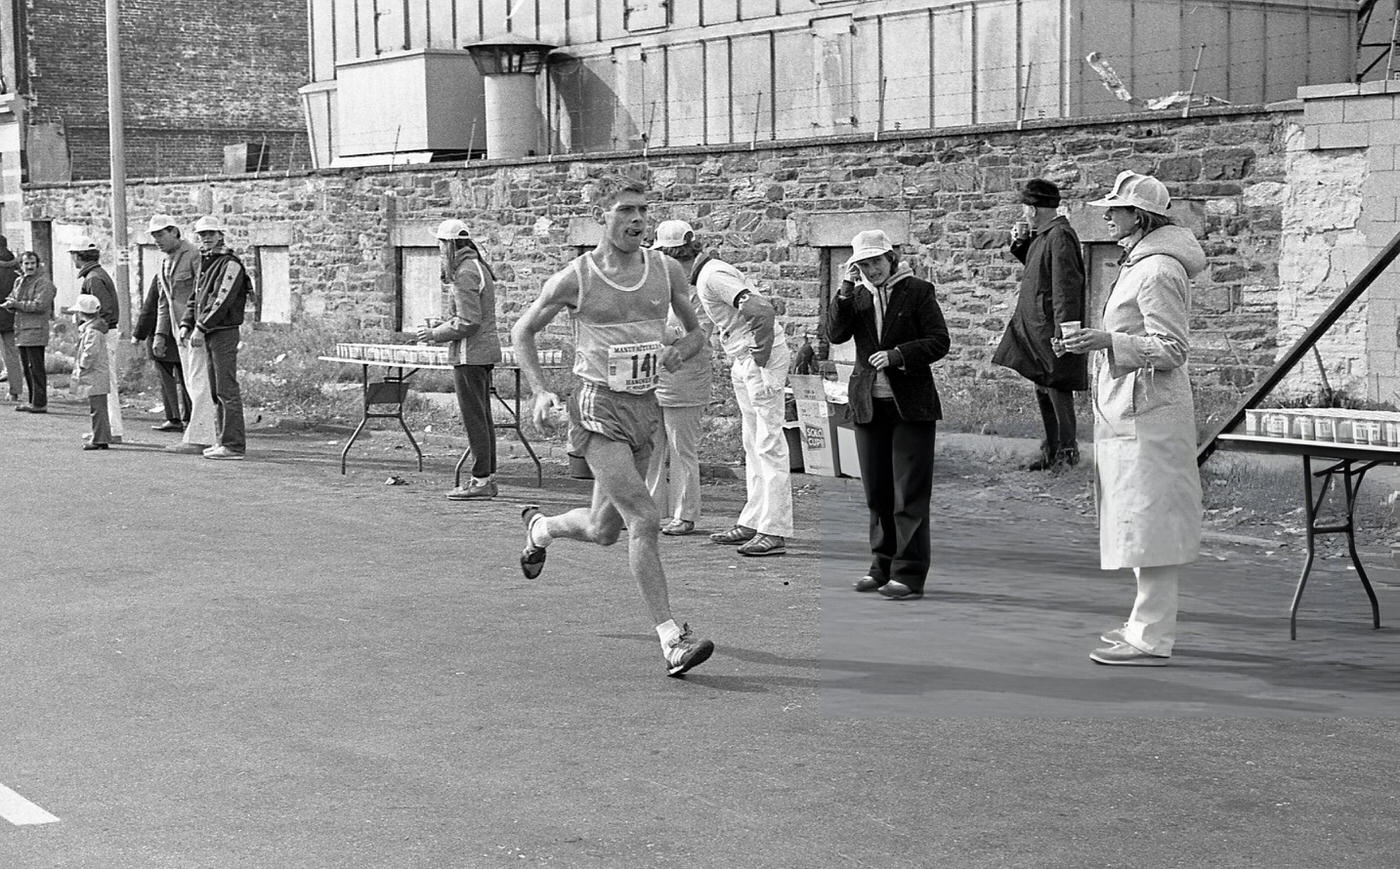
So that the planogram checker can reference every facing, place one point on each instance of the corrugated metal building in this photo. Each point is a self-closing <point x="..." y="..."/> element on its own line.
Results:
<point x="391" y="77"/>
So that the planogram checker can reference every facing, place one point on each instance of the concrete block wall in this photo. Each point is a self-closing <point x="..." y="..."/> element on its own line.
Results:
<point x="195" y="77"/>
<point x="1344" y="207"/>
<point x="764" y="208"/>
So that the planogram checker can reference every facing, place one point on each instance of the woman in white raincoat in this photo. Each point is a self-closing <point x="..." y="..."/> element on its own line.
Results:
<point x="1148" y="488"/>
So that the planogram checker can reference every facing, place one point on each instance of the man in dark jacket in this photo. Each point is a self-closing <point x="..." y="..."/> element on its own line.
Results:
<point x="97" y="282"/>
<point x="166" y="355"/>
<point x="212" y="320"/>
<point x="14" y="369"/>
<point x="1052" y="295"/>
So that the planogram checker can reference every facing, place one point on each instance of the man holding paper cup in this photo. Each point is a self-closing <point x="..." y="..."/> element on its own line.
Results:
<point x="1049" y="307"/>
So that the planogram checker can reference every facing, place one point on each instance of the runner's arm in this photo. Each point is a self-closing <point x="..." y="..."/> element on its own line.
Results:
<point x="694" y="338"/>
<point x="559" y="291"/>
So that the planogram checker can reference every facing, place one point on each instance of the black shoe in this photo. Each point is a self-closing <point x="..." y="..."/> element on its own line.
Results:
<point x="1048" y="459"/>
<point x="169" y="425"/>
<point x="868" y="583"/>
<point x="94" y="446"/>
<point x="1068" y="456"/>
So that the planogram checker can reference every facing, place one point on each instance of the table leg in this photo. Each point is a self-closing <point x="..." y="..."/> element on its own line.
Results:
<point x="539" y="469"/>
<point x="1310" y="523"/>
<point x="1352" y="488"/>
<point x="364" y="415"/>
<point x="403" y="424"/>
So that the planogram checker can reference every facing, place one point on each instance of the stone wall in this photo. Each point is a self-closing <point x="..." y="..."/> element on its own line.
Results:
<point x="771" y="210"/>
<point x="1343" y="207"/>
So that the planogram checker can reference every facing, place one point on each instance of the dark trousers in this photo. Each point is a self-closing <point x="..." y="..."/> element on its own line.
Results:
<point x="472" y="383"/>
<point x="896" y="467"/>
<point x="36" y="380"/>
<point x="1057" y="414"/>
<point x="173" y="393"/>
<point x="101" y="423"/>
<point x="222" y="346"/>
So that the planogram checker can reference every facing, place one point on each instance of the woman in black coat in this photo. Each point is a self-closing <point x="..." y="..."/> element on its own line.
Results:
<point x="899" y="331"/>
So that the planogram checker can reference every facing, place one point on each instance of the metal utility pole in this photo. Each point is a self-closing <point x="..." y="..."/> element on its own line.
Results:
<point x="115" y="143"/>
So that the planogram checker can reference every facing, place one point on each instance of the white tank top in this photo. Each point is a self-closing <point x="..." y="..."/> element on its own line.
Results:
<point x="618" y="345"/>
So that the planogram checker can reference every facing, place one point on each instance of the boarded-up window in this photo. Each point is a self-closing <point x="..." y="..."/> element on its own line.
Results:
<point x="645" y="14"/>
<point x="274" y="286"/>
<point x="420" y="287"/>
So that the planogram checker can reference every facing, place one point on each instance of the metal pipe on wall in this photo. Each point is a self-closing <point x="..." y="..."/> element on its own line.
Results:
<point x="116" y="145"/>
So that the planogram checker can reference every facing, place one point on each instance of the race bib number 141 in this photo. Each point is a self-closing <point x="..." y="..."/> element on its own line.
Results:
<point x="634" y="367"/>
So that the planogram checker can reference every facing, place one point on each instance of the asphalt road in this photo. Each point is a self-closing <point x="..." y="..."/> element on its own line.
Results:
<point x="268" y="664"/>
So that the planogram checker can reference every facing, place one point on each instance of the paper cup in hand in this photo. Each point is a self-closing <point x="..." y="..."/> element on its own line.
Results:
<point x="1068" y="328"/>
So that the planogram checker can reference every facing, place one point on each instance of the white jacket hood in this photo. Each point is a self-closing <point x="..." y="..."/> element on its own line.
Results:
<point x="1177" y="242"/>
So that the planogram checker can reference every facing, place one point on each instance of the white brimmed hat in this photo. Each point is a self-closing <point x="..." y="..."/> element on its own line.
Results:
<point x="870" y="243"/>
<point x="159" y="222"/>
<point x="85" y="304"/>
<point x="673" y="233"/>
<point x="83" y="244"/>
<point x="209" y="223"/>
<point x="1137" y="191"/>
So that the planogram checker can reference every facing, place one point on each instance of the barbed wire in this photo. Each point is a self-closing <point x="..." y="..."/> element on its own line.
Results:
<point x="1001" y="94"/>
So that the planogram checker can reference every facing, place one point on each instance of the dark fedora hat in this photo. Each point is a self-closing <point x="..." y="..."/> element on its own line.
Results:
<point x="1040" y="192"/>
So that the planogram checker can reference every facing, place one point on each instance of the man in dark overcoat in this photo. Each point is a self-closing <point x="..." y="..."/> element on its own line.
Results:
<point x="1052" y="294"/>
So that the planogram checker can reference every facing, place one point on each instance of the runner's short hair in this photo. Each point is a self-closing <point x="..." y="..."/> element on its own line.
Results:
<point x="607" y="189"/>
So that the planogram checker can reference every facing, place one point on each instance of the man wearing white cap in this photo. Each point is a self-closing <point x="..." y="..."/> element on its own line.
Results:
<point x="758" y="353"/>
<point x="99" y="284"/>
<point x="177" y="277"/>
<point x="211" y="322"/>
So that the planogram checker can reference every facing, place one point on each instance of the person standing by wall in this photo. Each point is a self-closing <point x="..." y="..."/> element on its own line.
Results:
<point x="9" y="351"/>
<point x="757" y="348"/>
<point x="98" y="283"/>
<point x="899" y="332"/>
<point x="178" y="273"/>
<point x="1052" y="293"/>
<point x="474" y="348"/>
<point x="212" y="321"/>
<point x="1146" y="479"/>
<point x="174" y="397"/>
<point x="673" y="477"/>
<point x="31" y="301"/>
<point x="92" y="371"/>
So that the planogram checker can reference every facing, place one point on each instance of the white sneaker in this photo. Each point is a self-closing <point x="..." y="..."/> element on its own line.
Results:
<point x="1115" y="636"/>
<point x="222" y="452"/>
<point x="686" y="651"/>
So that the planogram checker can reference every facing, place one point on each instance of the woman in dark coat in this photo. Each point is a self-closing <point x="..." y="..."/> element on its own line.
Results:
<point x="1052" y="292"/>
<point x="899" y="332"/>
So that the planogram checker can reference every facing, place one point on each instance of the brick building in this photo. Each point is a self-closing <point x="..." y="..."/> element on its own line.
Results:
<point x="196" y="78"/>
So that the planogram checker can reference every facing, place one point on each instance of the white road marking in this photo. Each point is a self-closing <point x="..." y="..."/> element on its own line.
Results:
<point x="19" y="811"/>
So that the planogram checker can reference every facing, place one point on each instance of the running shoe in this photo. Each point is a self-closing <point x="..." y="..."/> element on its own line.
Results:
<point x="532" y="558"/>
<point x="685" y="652"/>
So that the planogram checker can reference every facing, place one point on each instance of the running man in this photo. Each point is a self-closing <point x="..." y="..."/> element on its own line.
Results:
<point x="619" y="294"/>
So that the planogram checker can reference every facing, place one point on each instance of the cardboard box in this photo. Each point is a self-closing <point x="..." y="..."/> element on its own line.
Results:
<point x="847" y="459"/>
<point x="818" y="429"/>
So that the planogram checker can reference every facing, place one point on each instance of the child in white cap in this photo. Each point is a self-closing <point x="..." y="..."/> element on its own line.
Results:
<point x="92" y="373"/>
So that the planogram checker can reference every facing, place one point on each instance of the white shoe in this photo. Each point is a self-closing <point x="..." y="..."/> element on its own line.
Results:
<point x="1115" y="636"/>
<point x="222" y="452"/>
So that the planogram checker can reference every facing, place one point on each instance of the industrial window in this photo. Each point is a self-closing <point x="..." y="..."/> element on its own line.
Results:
<point x="419" y="287"/>
<point x="272" y="279"/>
<point x="646" y="14"/>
